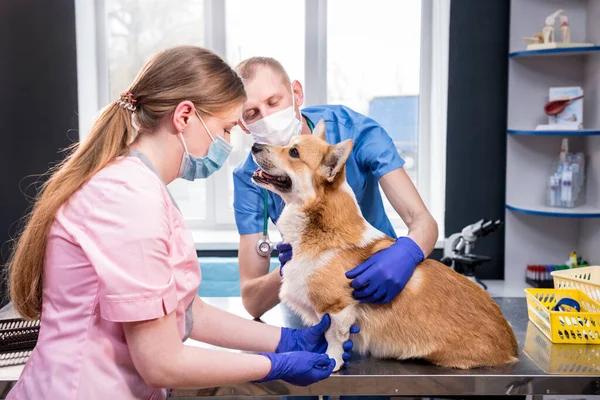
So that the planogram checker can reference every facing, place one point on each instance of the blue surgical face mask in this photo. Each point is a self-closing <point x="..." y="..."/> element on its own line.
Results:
<point x="202" y="167"/>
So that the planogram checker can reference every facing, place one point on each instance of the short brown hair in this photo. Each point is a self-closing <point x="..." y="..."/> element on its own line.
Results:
<point x="247" y="68"/>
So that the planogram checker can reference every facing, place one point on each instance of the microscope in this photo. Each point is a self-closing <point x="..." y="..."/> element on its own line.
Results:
<point x="458" y="247"/>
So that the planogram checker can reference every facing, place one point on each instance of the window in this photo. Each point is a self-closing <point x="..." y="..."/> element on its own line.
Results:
<point x="387" y="60"/>
<point x="272" y="28"/>
<point x="374" y="69"/>
<point x="136" y="30"/>
<point x="259" y="28"/>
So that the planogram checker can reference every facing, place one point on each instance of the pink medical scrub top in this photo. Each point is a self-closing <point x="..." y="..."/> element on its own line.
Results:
<point x="118" y="251"/>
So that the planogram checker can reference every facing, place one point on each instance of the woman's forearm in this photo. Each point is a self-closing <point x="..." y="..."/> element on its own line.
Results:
<point x="220" y="328"/>
<point x="195" y="367"/>
<point x="164" y="362"/>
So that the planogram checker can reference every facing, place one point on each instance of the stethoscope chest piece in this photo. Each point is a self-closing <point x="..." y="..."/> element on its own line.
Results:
<point x="264" y="247"/>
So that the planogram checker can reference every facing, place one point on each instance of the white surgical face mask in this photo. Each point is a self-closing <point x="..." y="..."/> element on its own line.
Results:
<point x="278" y="128"/>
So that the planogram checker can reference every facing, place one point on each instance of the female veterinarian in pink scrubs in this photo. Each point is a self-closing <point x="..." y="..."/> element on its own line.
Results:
<point x="109" y="266"/>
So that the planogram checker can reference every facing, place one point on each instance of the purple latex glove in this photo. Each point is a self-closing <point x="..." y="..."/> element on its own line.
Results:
<point x="299" y="368"/>
<point x="380" y="278"/>
<point x="285" y="255"/>
<point x="312" y="339"/>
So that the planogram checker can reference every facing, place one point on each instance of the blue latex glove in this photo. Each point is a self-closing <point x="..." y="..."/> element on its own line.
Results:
<point x="312" y="339"/>
<point x="285" y="255"/>
<point x="300" y="368"/>
<point x="380" y="278"/>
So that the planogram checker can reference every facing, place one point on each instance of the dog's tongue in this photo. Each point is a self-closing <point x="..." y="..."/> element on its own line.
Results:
<point x="259" y="172"/>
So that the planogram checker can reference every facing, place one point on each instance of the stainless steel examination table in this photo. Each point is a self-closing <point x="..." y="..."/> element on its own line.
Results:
<point x="542" y="369"/>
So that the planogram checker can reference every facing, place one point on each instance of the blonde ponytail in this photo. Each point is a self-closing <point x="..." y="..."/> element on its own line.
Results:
<point x="107" y="140"/>
<point x="170" y="77"/>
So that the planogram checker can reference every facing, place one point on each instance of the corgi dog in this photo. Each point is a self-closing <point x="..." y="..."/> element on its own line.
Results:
<point x="440" y="316"/>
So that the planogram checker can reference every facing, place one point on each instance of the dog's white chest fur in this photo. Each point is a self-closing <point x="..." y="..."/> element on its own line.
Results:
<point x="294" y="288"/>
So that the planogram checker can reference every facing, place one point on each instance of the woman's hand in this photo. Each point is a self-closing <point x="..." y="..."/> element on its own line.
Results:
<point x="312" y="339"/>
<point x="299" y="368"/>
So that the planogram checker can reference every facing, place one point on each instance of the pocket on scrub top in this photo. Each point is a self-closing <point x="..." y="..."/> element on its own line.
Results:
<point x="183" y="235"/>
<point x="355" y="179"/>
<point x="358" y="187"/>
<point x="184" y="241"/>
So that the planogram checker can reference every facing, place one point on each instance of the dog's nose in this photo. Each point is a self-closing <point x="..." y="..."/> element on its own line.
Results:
<point x="257" y="148"/>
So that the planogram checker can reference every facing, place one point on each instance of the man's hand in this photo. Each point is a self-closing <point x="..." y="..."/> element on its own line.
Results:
<point x="285" y="255"/>
<point x="380" y="278"/>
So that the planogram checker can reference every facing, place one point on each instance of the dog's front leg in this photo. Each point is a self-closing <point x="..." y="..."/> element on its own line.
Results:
<point x="330" y="293"/>
<point x="338" y="333"/>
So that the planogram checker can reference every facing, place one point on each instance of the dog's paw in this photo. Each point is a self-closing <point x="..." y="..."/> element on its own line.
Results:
<point x="339" y="363"/>
<point x="337" y="356"/>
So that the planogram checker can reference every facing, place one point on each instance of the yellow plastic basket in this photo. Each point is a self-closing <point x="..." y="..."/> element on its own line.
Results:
<point x="564" y="327"/>
<point x="586" y="279"/>
<point x="563" y="359"/>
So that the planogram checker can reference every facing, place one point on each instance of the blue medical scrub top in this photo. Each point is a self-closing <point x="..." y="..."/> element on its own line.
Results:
<point x="373" y="156"/>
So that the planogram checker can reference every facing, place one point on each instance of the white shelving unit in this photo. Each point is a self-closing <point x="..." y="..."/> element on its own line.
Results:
<point x="535" y="233"/>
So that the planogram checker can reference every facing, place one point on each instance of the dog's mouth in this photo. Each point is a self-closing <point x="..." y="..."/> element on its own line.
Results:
<point x="279" y="181"/>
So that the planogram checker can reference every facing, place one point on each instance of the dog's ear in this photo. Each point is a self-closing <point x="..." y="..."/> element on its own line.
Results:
<point x="319" y="129"/>
<point x="335" y="159"/>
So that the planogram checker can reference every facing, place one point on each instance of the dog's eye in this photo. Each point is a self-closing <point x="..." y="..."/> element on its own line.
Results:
<point x="294" y="152"/>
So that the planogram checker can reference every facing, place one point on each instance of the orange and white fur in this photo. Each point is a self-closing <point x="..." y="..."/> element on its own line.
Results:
<point x="440" y="316"/>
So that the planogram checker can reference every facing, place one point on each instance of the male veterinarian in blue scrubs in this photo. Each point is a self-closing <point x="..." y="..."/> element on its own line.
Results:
<point x="272" y="115"/>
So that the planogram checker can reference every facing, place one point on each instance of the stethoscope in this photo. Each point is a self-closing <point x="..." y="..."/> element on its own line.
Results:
<point x="264" y="247"/>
